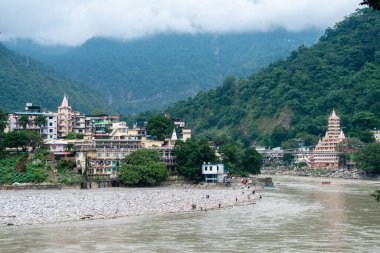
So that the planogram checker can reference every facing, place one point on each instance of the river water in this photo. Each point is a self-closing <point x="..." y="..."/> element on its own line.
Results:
<point x="300" y="215"/>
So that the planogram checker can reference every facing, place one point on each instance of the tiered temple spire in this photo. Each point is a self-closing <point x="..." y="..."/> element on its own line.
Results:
<point x="325" y="154"/>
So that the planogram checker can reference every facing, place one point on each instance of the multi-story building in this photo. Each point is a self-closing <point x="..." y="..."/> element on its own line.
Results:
<point x="50" y="128"/>
<point x="324" y="154"/>
<point x="64" y="118"/>
<point x="47" y="127"/>
<point x="103" y="157"/>
<point x="78" y="123"/>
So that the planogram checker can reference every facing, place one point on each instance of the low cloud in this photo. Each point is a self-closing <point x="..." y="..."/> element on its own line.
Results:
<point x="72" y="22"/>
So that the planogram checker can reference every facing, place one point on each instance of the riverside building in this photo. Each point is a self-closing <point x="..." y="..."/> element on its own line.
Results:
<point x="325" y="154"/>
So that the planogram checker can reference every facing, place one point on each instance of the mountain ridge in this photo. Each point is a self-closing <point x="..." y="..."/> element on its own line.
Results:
<point x="291" y="98"/>
<point x="152" y="72"/>
<point x="22" y="79"/>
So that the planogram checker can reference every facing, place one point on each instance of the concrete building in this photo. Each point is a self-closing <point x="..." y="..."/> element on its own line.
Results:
<point x="324" y="154"/>
<point x="213" y="173"/>
<point x="78" y="123"/>
<point x="50" y="128"/>
<point x="47" y="129"/>
<point x="301" y="155"/>
<point x="64" y="118"/>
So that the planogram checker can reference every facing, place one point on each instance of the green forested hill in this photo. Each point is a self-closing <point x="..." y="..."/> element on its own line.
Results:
<point x="23" y="79"/>
<point x="292" y="98"/>
<point x="153" y="72"/>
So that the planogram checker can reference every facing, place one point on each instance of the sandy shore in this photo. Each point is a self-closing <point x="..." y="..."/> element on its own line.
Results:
<point x="55" y="206"/>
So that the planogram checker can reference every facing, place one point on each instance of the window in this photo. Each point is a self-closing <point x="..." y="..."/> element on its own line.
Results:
<point x="99" y="154"/>
<point x="107" y="154"/>
<point x="50" y="124"/>
<point x="50" y="117"/>
<point x="50" y="130"/>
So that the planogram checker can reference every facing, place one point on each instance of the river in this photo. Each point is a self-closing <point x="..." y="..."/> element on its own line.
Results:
<point x="300" y="215"/>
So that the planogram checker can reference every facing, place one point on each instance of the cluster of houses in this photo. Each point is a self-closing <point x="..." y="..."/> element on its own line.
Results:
<point x="106" y="141"/>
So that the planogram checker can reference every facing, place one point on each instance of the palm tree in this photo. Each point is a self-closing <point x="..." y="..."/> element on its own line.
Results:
<point x="376" y="195"/>
<point x="24" y="121"/>
<point x="40" y="121"/>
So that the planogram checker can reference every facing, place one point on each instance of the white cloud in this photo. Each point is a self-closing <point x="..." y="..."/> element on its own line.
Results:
<point x="72" y="22"/>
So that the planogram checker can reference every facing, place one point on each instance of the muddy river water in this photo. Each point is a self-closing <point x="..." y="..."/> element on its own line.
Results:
<point x="299" y="215"/>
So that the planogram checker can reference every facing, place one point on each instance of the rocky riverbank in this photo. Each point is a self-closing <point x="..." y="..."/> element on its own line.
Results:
<point x="308" y="172"/>
<point x="55" y="206"/>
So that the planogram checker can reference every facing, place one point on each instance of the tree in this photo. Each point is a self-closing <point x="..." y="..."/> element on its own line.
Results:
<point x="34" y="140"/>
<point x="22" y="139"/>
<point x="15" y="139"/>
<point x="365" y="136"/>
<point x="368" y="159"/>
<point x="3" y="118"/>
<point x="375" y="4"/>
<point x="40" y="121"/>
<point x="160" y="127"/>
<point x="73" y="136"/>
<point x="24" y="121"/>
<point x="252" y="161"/>
<point x="97" y="112"/>
<point x="143" y="168"/>
<point x="190" y="156"/>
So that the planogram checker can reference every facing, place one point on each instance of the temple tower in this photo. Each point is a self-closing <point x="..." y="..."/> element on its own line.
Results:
<point x="325" y="154"/>
<point x="64" y="118"/>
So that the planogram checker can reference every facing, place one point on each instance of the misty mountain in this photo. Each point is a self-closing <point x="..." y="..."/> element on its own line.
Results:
<point x="23" y="79"/>
<point x="292" y="98"/>
<point x="151" y="73"/>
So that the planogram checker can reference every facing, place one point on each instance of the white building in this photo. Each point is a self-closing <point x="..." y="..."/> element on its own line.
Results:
<point x="213" y="173"/>
<point x="376" y="135"/>
<point x="48" y="130"/>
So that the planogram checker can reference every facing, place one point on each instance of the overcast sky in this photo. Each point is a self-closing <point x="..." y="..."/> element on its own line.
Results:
<point x="72" y="22"/>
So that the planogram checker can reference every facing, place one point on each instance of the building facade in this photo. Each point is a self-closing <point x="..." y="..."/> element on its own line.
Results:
<point x="213" y="173"/>
<point x="47" y="127"/>
<point x="325" y="154"/>
<point x="64" y="118"/>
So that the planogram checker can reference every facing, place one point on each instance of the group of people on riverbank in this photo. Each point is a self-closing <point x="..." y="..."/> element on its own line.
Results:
<point x="249" y="197"/>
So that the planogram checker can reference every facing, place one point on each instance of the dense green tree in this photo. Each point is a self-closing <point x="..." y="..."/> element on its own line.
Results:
<point x="16" y="140"/>
<point x="24" y="121"/>
<point x="252" y="161"/>
<point x="34" y="140"/>
<point x="73" y="136"/>
<point x="40" y="121"/>
<point x="160" y="127"/>
<point x="375" y="4"/>
<point x="97" y="112"/>
<point x="190" y="156"/>
<point x="368" y="158"/>
<point x="3" y="119"/>
<point x="143" y="168"/>
<point x="365" y="136"/>
<point x="231" y="153"/>
<point x="22" y="139"/>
